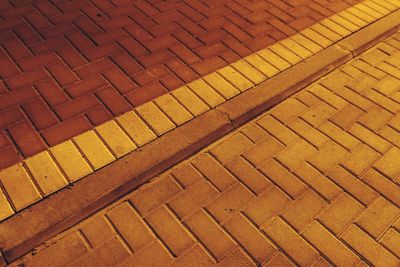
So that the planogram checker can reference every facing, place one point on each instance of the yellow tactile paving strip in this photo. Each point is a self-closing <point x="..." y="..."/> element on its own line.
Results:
<point x="313" y="182"/>
<point x="52" y="170"/>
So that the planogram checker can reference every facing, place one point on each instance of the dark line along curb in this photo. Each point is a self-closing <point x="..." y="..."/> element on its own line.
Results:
<point x="35" y="225"/>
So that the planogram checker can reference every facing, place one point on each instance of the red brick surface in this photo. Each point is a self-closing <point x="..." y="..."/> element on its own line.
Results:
<point x="67" y="66"/>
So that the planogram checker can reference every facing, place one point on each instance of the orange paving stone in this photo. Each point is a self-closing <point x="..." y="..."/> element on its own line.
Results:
<point x="68" y="66"/>
<point x="266" y="194"/>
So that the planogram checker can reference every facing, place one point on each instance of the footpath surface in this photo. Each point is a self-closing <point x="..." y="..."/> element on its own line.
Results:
<point x="312" y="182"/>
<point x="68" y="66"/>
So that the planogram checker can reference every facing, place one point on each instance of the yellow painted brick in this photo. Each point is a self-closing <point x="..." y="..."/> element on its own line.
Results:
<point x="353" y="185"/>
<point x="369" y="138"/>
<point x="352" y="18"/>
<point x="341" y="213"/>
<point x="329" y="245"/>
<point x="344" y="23"/>
<point x="385" y="186"/>
<point x="376" y="7"/>
<point x="285" y="53"/>
<point x="368" y="248"/>
<point x="307" y="43"/>
<point x="175" y="111"/>
<point x="46" y="173"/>
<point x="375" y="118"/>
<point x="383" y="101"/>
<point x="170" y="230"/>
<point x="360" y="14"/>
<point x="295" y="246"/>
<point x="136" y="128"/>
<point x="94" y="149"/>
<point x="289" y="183"/>
<point x="221" y="85"/>
<point x="155" y="118"/>
<point x="115" y="138"/>
<point x="330" y="24"/>
<point x="235" y="78"/>
<point x="326" y="32"/>
<point x="255" y="243"/>
<point x="391" y="240"/>
<point x="19" y="186"/>
<point x="206" y="93"/>
<point x="191" y="102"/>
<point x="379" y="216"/>
<point x="368" y="10"/>
<point x="315" y="36"/>
<point x="389" y="164"/>
<point x="266" y="206"/>
<point x="231" y="147"/>
<point x="388" y="4"/>
<point x="303" y="210"/>
<point x="71" y="161"/>
<point x="210" y="234"/>
<point x="249" y="71"/>
<point x="274" y="59"/>
<point x="266" y="68"/>
<point x="296" y="48"/>
<point x="5" y="208"/>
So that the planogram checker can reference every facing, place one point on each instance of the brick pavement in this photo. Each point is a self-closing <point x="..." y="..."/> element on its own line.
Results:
<point x="67" y="66"/>
<point x="313" y="182"/>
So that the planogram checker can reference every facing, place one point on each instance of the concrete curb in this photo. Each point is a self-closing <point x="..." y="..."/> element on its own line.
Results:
<point x="22" y="232"/>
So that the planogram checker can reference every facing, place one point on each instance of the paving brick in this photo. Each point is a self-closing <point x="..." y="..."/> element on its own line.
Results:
<point x="197" y="256"/>
<point x="338" y="216"/>
<point x="214" y="172"/>
<point x="264" y="151"/>
<point x="368" y="248"/>
<point x="46" y="173"/>
<point x="154" y="254"/>
<point x="293" y="244"/>
<point x="360" y="158"/>
<point x="97" y="224"/>
<point x="175" y="111"/>
<point x="307" y="132"/>
<point x="390" y="240"/>
<point x="155" y="118"/>
<point x="336" y="251"/>
<point x="388" y="164"/>
<point x="94" y="149"/>
<point x="210" y="234"/>
<point x="386" y="187"/>
<point x="304" y="210"/>
<point x="249" y="237"/>
<point x="378" y="217"/>
<point x="230" y="202"/>
<point x="27" y="139"/>
<point x="135" y="232"/>
<point x="231" y="147"/>
<point x="170" y="230"/>
<point x="352" y="185"/>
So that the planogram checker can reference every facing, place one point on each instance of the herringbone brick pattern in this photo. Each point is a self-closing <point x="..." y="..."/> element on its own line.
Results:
<point x="67" y="66"/>
<point x="313" y="182"/>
